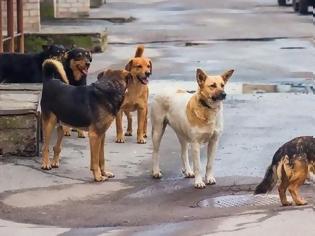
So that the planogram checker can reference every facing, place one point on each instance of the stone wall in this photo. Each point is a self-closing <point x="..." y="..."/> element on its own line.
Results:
<point x="72" y="8"/>
<point x="31" y="15"/>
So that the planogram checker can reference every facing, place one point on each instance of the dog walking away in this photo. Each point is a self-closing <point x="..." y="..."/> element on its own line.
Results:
<point x="196" y="118"/>
<point x="290" y="166"/>
<point x="136" y="98"/>
<point x="92" y="108"/>
<point x="27" y="68"/>
<point x="76" y="64"/>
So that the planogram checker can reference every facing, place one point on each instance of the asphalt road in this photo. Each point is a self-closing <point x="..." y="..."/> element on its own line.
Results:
<point x="264" y="43"/>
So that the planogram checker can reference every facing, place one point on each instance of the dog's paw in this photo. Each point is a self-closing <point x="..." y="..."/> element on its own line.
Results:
<point x="108" y="174"/>
<point x="120" y="140"/>
<point x="145" y="136"/>
<point x="100" y="178"/>
<point x="287" y="203"/>
<point x="66" y="133"/>
<point x="157" y="175"/>
<point x="210" y="180"/>
<point x="141" y="141"/>
<point x="46" y="165"/>
<point x="128" y="133"/>
<point x="55" y="163"/>
<point x="81" y="134"/>
<point x="200" y="184"/>
<point x="302" y="202"/>
<point x="188" y="173"/>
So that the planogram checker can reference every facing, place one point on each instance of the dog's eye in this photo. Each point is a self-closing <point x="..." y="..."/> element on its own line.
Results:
<point x="222" y="85"/>
<point x="139" y="66"/>
<point x="213" y="85"/>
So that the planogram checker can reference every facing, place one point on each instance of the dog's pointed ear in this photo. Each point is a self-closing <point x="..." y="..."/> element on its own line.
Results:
<point x="227" y="75"/>
<point x="100" y="75"/>
<point x="129" y="65"/>
<point x="150" y="66"/>
<point x="201" y="77"/>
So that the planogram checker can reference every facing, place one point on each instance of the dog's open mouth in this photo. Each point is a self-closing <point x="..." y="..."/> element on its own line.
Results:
<point x="84" y="70"/>
<point x="143" y="80"/>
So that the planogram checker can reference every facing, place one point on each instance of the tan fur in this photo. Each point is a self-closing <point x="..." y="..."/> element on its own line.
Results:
<point x="136" y="98"/>
<point x="59" y="68"/>
<point x="291" y="177"/>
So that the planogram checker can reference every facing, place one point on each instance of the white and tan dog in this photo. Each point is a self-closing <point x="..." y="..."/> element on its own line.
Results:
<point x="196" y="118"/>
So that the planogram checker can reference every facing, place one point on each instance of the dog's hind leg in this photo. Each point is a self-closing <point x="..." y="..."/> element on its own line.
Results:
<point x="300" y="170"/>
<point x="66" y="130"/>
<point x="158" y="128"/>
<point x="102" y="162"/>
<point x="211" y="150"/>
<point x="129" y="122"/>
<point x="196" y="160"/>
<point x="95" y="149"/>
<point x="48" y="122"/>
<point x="57" y="148"/>
<point x="185" y="160"/>
<point x="282" y="190"/>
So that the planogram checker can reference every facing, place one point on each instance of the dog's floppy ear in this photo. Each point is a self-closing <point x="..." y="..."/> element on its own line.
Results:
<point x="150" y="66"/>
<point x="139" y="51"/>
<point x="226" y="75"/>
<point x="129" y="65"/>
<point x="201" y="77"/>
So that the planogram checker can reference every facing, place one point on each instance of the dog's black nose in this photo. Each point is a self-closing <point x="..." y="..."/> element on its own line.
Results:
<point x="147" y="74"/>
<point x="223" y="95"/>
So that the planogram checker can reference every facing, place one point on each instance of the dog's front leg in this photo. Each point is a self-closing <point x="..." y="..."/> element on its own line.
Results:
<point x="119" y="129"/>
<point x="95" y="149"/>
<point x="196" y="160"/>
<point x="212" y="147"/>
<point x="145" y="123"/>
<point x="48" y="123"/>
<point x="141" y="119"/>
<point x="102" y="160"/>
<point x="57" y="148"/>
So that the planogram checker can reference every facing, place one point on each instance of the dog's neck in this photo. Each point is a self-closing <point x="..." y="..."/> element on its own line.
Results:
<point x="200" y="113"/>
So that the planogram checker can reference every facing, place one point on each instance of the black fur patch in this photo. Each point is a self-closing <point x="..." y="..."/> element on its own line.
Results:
<point x="26" y="68"/>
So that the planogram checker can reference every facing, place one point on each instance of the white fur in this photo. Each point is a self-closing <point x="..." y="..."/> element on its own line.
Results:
<point x="170" y="108"/>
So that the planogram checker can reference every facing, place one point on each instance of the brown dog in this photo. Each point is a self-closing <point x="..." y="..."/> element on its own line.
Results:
<point x="136" y="98"/>
<point x="92" y="108"/>
<point x="291" y="165"/>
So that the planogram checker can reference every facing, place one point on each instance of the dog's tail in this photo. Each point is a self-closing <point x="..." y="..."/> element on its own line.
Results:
<point x="54" y="69"/>
<point x="271" y="175"/>
<point x="139" y="51"/>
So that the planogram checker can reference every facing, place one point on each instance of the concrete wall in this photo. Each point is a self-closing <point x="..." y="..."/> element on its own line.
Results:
<point x="72" y="8"/>
<point x="31" y="15"/>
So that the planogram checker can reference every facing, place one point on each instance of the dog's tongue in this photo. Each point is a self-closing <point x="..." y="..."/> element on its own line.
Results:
<point x="85" y="71"/>
<point x="145" y="81"/>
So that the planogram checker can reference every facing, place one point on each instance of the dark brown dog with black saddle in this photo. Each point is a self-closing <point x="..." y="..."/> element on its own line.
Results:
<point x="92" y="108"/>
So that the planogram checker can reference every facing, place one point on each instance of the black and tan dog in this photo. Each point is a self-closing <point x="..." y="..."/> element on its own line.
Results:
<point x="92" y="108"/>
<point x="136" y="97"/>
<point x="76" y="64"/>
<point x="27" y="68"/>
<point x="290" y="165"/>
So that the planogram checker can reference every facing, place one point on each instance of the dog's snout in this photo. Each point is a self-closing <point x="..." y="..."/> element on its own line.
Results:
<point x="87" y="64"/>
<point x="223" y="95"/>
<point x="147" y="74"/>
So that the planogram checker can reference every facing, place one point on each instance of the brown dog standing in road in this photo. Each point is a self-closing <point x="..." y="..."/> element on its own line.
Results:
<point x="136" y="97"/>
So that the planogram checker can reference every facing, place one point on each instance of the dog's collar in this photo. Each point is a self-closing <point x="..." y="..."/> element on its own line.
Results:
<point x="203" y="103"/>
